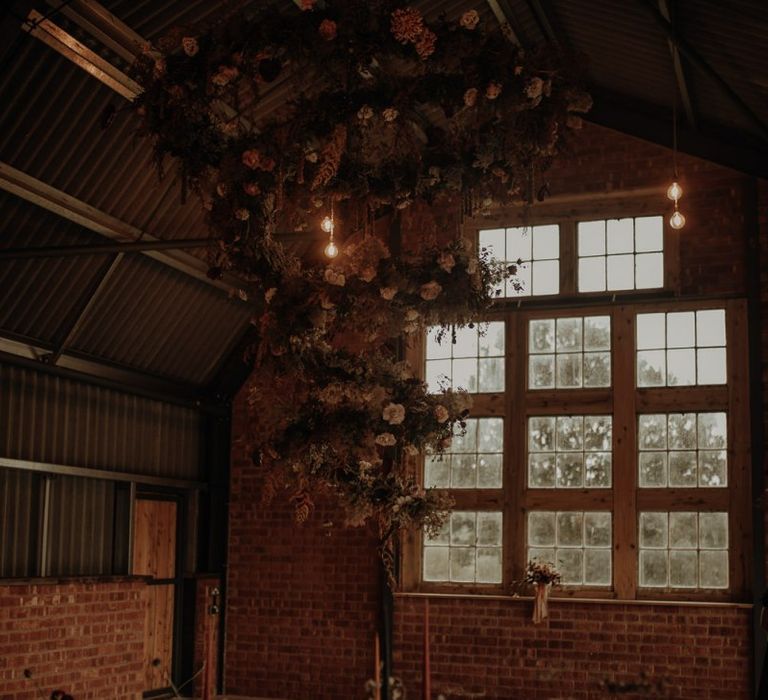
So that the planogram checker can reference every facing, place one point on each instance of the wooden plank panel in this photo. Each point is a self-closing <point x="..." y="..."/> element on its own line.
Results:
<point x="154" y="540"/>
<point x="158" y="636"/>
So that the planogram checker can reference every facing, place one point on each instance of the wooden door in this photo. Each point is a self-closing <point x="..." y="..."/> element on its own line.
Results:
<point x="154" y="554"/>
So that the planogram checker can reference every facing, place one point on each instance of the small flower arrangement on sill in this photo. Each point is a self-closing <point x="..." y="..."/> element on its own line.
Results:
<point x="542" y="576"/>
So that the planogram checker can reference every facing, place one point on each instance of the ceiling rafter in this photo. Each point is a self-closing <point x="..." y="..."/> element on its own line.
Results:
<point x="677" y="65"/>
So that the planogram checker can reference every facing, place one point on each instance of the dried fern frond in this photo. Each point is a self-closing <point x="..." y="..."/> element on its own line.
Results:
<point x="332" y="153"/>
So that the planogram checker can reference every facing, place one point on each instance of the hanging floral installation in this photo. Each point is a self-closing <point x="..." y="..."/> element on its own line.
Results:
<point x="379" y="109"/>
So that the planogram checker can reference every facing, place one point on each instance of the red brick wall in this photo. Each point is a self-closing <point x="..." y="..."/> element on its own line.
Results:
<point x="301" y="605"/>
<point x="491" y="649"/>
<point x="86" y="638"/>
<point x="206" y="655"/>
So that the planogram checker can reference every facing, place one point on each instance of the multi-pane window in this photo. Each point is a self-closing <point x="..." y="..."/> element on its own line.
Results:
<point x="683" y="450"/>
<point x="681" y="348"/>
<point x="471" y="358"/>
<point x="683" y="549"/>
<point x="619" y="254"/>
<point x="569" y="451"/>
<point x="467" y="550"/>
<point x="474" y="460"/>
<point x="569" y="353"/>
<point x="535" y="253"/>
<point x="577" y="543"/>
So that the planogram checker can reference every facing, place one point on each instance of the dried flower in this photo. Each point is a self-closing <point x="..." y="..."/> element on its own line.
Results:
<point x="327" y="29"/>
<point x="446" y="443"/>
<point x="388" y="293"/>
<point x="390" y="114"/>
<point x="269" y="295"/>
<point x="252" y="189"/>
<point x="364" y="113"/>
<point x="472" y="266"/>
<point x="311" y="157"/>
<point x="190" y="46"/>
<point x="308" y="5"/>
<point x="446" y="261"/>
<point x="222" y="189"/>
<point x="407" y="25"/>
<point x="160" y="67"/>
<point x="242" y="214"/>
<point x="394" y="413"/>
<point x="573" y="121"/>
<point x="534" y="88"/>
<point x="411" y="450"/>
<point x="225" y="75"/>
<point x="426" y="44"/>
<point x="430" y="291"/>
<point x="470" y="19"/>
<point x="251" y="158"/>
<point x="325" y="302"/>
<point x="470" y="97"/>
<point x="334" y="278"/>
<point x="493" y="90"/>
<point x="541" y="572"/>
<point x="412" y="315"/>
<point x="368" y="273"/>
<point x="385" y="439"/>
<point x="441" y="413"/>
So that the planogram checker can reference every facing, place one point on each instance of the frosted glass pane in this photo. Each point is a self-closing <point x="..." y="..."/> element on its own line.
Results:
<point x="683" y="569"/>
<point x="546" y="277"/>
<point x="493" y="241"/>
<point x="681" y="367"/>
<point x="597" y="567"/>
<point x="649" y="233"/>
<point x="488" y="565"/>
<point x="438" y="372"/>
<point x="569" y="334"/>
<point x="570" y="470"/>
<point x="541" y="434"/>
<point x="682" y="431"/>
<point x="710" y="327"/>
<point x="463" y="528"/>
<point x="518" y="243"/>
<point x="546" y="242"/>
<point x="571" y="566"/>
<point x="465" y="374"/>
<point x="462" y="564"/>
<point x="620" y="236"/>
<point x="597" y="369"/>
<point x="653" y="432"/>
<point x="437" y="472"/>
<point x="712" y="430"/>
<point x="653" y="530"/>
<point x="649" y="270"/>
<point x="592" y="274"/>
<point x="621" y="272"/>
<point x="597" y="529"/>
<point x="569" y="370"/>
<point x="490" y="437"/>
<point x="436" y="563"/>
<point x="491" y="374"/>
<point x="541" y="470"/>
<point x="489" y="471"/>
<point x="713" y="530"/>
<point x="597" y="433"/>
<point x="591" y="235"/>
<point x="683" y="530"/>
<point x="466" y="342"/>
<point x="651" y="368"/>
<point x="682" y="469"/>
<point x="435" y="349"/>
<point x="570" y="433"/>
<point x="468" y="441"/>
<point x="541" y="371"/>
<point x="489" y="530"/>
<point x="541" y="336"/>
<point x="713" y="569"/>
<point x="597" y="470"/>
<point x="597" y="333"/>
<point x="542" y="554"/>
<point x="491" y="343"/>
<point x="653" y="568"/>
<point x="653" y="469"/>
<point x="520" y="284"/>
<point x="681" y="330"/>
<point x="442" y="537"/>
<point x="463" y="471"/>
<point x="651" y="332"/>
<point x="713" y="470"/>
<point x="541" y="529"/>
<point x="710" y="365"/>
<point x="570" y="529"/>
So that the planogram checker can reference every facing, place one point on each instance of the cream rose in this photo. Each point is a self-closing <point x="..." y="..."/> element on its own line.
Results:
<point x="441" y="413"/>
<point x="394" y="413"/>
<point x="430" y="291"/>
<point x="385" y="439"/>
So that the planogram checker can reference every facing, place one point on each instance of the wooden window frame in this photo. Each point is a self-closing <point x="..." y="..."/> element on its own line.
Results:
<point x="625" y="499"/>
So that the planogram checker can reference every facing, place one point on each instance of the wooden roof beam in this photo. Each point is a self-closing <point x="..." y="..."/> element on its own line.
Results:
<point x="677" y="65"/>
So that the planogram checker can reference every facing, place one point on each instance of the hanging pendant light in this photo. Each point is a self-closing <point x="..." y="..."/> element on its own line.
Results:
<point x="328" y="225"/>
<point x="674" y="191"/>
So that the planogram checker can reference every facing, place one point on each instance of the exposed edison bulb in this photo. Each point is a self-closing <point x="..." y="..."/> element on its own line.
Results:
<point x="675" y="191"/>
<point x="331" y="250"/>
<point x="327" y="224"/>
<point x="677" y="220"/>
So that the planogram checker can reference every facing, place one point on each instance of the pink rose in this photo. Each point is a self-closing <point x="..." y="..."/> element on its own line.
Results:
<point x="251" y="158"/>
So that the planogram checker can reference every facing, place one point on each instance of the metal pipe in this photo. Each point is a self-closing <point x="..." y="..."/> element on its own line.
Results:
<point x="64" y="251"/>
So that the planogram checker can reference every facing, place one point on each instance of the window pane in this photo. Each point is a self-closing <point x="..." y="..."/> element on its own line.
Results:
<point x="541" y="372"/>
<point x="591" y="236"/>
<point x="710" y="328"/>
<point x="597" y="333"/>
<point x="545" y="277"/>
<point x="518" y="244"/>
<point x="493" y="241"/>
<point x="541" y="336"/>
<point x="649" y="233"/>
<point x="541" y="529"/>
<point x="569" y="370"/>
<point x="437" y="472"/>
<point x="620" y="236"/>
<point x="651" y="332"/>
<point x="436" y="563"/>
<point x="569" y="334"/>
<point x="621" y="272"/>
<point x="681" y="330"/>
<point x="592" y="274"/>
<point x="649" y="270"/>
<point x="681" y="367"/>
<point x="474" y="459"/>
<point x="710" y="366"/>
<point x="651" y="368"/>
<point x="653" y="568"/>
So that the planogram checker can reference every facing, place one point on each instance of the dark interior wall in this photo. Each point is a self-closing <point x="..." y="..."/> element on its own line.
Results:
<point x="301" y="611"/>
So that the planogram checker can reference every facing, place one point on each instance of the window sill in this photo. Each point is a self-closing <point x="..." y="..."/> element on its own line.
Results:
<point x="68" y="580"/>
